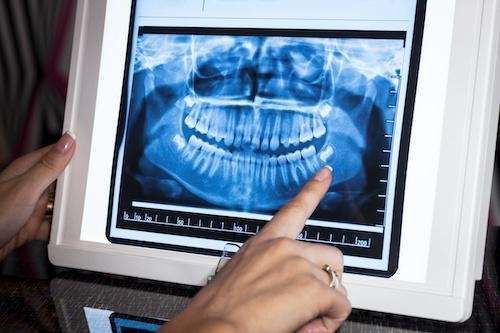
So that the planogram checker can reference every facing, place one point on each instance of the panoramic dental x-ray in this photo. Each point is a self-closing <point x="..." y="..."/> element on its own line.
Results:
<point x="240" y="121"/>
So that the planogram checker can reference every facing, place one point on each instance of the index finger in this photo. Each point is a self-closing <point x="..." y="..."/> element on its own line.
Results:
<point x="290" y="220"/>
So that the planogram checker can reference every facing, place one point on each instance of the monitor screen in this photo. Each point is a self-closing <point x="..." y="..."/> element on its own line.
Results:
<point x="223" y="121"/>
<point x="107" y="321"/>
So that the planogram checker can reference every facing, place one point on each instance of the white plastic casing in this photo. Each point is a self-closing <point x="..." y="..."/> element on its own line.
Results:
<point x="448" y="179"/>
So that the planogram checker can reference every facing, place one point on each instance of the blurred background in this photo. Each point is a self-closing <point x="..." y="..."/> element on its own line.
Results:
<point x="35" y="47"/>
<point x="35" y="51"/>
<point x="34" y="62"/>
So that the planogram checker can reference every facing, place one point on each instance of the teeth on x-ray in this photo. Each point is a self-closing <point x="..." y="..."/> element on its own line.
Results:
<point x="206" y="159"/>
<point x="262" y="130"/>
<point x="244" y="122"/>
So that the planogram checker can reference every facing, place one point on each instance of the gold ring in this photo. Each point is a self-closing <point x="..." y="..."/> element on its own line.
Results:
<point x="49" y="209"/>
<point x="334" y="276"/>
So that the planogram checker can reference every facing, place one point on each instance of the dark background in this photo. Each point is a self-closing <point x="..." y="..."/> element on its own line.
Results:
<point x="35" y="41"/>
<point x="35" y="48"/>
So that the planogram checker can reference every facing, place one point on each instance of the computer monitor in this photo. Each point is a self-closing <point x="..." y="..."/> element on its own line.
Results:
<point x="198" y="120"/>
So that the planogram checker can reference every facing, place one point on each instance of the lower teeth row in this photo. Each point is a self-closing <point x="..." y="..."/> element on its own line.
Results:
<point x="297" y="166"/>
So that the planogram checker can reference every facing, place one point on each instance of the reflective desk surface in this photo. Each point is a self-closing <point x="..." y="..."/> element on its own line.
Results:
<point x="82" y="302"/>
<point x="72" y="301"/>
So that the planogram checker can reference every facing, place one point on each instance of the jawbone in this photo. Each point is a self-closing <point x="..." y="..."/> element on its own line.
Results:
<point x="244" y="172"/>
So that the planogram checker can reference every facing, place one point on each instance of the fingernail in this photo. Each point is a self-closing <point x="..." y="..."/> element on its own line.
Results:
<point x="71" y="134"/>
<point x="323" y="173"/>
<point x="65" y="142"/>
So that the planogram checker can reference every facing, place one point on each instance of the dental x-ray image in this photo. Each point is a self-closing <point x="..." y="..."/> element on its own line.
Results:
<point x="241" y="122"/>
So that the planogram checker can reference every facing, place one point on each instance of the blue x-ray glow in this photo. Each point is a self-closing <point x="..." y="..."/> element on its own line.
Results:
<point x="242" y="122"/>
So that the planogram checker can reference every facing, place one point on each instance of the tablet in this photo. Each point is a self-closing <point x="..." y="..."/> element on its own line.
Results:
<point x="220" y="127"/>
<point x="197" y="120"/>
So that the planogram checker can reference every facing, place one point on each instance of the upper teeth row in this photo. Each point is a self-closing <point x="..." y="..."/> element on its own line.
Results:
<point x="323" y="109"/>
<point x="252" y="129"/>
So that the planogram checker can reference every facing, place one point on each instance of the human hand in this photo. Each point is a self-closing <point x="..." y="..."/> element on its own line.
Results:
<point x="274" y="283"/>
<point x="24" y="193"/>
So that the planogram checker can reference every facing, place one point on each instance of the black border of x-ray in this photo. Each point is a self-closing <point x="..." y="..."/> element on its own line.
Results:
<point x="265" y="32"/>
<point x="394" y="246"/>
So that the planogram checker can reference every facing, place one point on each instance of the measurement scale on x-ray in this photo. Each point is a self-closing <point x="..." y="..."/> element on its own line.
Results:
<point x="230" y="228"/>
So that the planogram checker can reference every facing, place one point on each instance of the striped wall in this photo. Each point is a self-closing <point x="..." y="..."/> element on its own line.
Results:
<point x="35" y="47"/>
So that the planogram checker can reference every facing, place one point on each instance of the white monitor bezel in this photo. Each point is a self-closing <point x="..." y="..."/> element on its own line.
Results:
<point x="174" y="22"/>
<point x="451" y="28"/>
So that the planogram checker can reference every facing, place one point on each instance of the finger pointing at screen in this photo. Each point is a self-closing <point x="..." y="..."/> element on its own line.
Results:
<point x="275" y="283"/>
<point x="290" y="220"/>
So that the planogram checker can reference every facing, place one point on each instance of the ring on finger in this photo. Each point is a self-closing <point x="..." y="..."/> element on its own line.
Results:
<point x="334" y="276"/>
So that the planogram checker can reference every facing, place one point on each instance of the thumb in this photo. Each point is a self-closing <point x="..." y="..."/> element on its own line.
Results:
<point x="50" y="165"/>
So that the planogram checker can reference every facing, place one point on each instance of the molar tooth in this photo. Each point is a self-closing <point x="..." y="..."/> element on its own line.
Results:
<point x="324" y="110"/>
<point x="306" y="133"/>
<point x="189" y="100"/>
<point x="208" y="153"/>
<point x="189" y="154"/>
<point x="293" y="172"/>
<point x="293" y="157"/>
<point x="200" y="156"/>
<point x="302" y="169"/>
<point x="285" y="130"/>
<point x="202" y="125"/>
<point x="231" y="128"/>
<point x="308" y="152"/>
<point x="218" y="155"/>
<point x="319" y="128"/>
<point x="198" y="159"/>
<point x="193" y="117"/>
<point x="267" y="133"/>
<point x="326" y="153"/>
<point x="275" y="140"/>
<point x="195" y="141"/>
<point x="190" y="150"/>
<point x="312" y="164"/>
<point x="283" y="167"/>
<point x="190" y="122"/>
<point x="179" y="141"/>
<point x="217" y="121"/>
<point x="211" y="127"/>
<point x="293" y="139"/>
